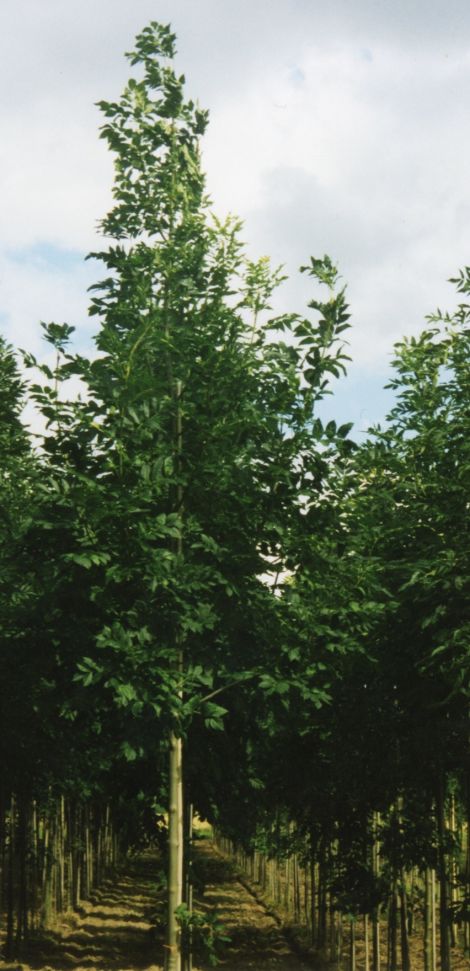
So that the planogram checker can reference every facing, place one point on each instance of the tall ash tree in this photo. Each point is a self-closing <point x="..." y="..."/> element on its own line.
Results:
<point x="421" y="470"/>
<point x="16" y="489"/>
<point x="380" y="600"/>
<point x="191" y="454"/>
<point x="211" y="555"/>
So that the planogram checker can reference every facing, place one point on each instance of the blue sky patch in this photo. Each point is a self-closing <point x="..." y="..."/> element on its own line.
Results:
<point x="47" y="256"/>
<point x="296" y="77"/>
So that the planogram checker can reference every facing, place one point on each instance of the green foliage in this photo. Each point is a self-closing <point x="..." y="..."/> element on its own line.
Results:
<point x="207" y="932"/>
<point x="191" y="549"/>
<point x="130" y="546"/>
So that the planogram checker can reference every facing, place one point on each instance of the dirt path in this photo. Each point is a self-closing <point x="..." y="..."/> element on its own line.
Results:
<point x="257" y="942"/>
<point x="116" y="930"/>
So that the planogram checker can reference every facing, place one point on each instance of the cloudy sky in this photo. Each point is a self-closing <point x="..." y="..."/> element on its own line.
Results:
<point x="339" y="127"/>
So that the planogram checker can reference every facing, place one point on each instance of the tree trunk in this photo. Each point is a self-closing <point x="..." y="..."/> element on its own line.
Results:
<point x="176" y="797"/>
<point x="86" y="853"/>
<point x="392" y="930"/>
<point x="3" y="850"/>
<point x="339" y="940"/>
<point x="34" y="866"/>
<point x="433" y="918"/>
<point x="60" y="855"/>
<point x="429" y="929"/>
<point x="296" y="875"/>
<point x="322" y="897"/>
<point x="443" y="883"/>
<point x="313" y="888"/>
<point x="405" y="944"/>
<point x="22" y="903"/>
<point x="46" y="877"/>
<point x="376" y="914"/>
<point x="175" y="846"/>
<point x="10" y="894"/>
<point x="77" y="856"/>
<point x="188" y="883"/>
<point x="352" y="944"/>
<point x="453" y="872"/>
<point x="366" y="943"/>
<point x="467" y="873"/>
<point x="306" y="909"/>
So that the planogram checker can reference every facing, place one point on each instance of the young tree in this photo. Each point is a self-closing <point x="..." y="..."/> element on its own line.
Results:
<point x="190" y="456"/>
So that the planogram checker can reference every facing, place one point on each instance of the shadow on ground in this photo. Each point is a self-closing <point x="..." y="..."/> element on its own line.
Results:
<point x="114" y="931"/>
<point x="256" y="940"/>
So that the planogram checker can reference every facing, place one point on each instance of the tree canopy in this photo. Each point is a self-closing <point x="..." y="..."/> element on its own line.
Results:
<point x="193" y="562"/>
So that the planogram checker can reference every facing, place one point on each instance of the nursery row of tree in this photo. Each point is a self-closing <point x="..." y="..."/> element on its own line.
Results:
<point x="367" y="796"/>
<point x="209" y="596"/>
<point x="371" y="791"/>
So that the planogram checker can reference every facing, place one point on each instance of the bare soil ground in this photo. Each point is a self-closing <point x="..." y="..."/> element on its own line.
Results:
<point x="113" y="932"/>
<point x="116" y="930"/>
<point x="256" y="938"/>
<point x="299" y="936"/>
<point x="121" y="929"/>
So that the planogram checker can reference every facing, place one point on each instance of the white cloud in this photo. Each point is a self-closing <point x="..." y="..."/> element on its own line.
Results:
<point x="365" y="159"/>
<point x="33" y="290"/>
<point x="340" y="128"/>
